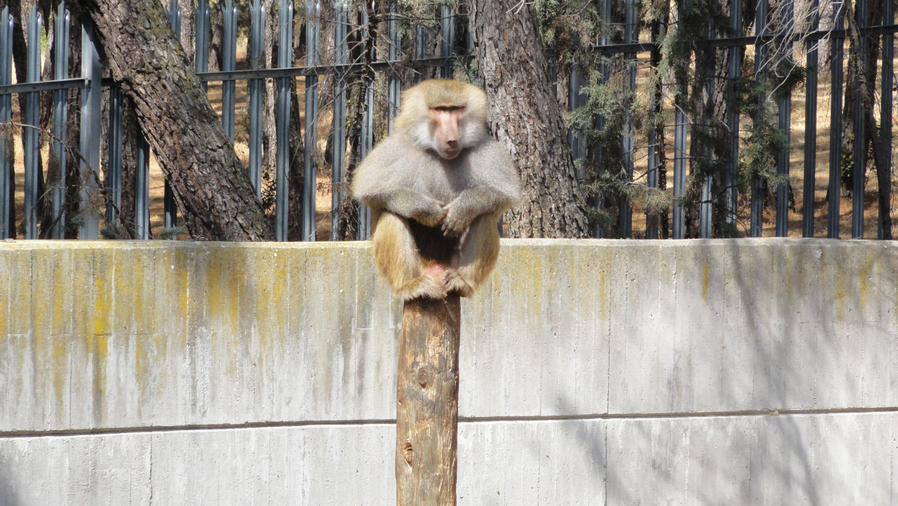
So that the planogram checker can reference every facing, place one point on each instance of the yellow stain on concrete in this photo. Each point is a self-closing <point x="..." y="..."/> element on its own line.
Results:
<point x="706" y="280"/>
<point x="840" y="294"/>
<point x="59" y="311"/>
<point x="864" y="277"/>
<point x="101" y="307"/>
<point x="100" y="352"/>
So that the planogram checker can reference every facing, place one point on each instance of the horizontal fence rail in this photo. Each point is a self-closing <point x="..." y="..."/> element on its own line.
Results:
<point x="356" y="45"/>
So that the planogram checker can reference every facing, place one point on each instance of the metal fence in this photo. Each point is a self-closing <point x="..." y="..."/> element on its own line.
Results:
<point x="833" y="37"/>
<point x="91" y="82"/>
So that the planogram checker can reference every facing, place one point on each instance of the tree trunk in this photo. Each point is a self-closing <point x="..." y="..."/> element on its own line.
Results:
<point x="525" y="116"/>
<point x="427" y="402"/>
<point x="209" y="183"/>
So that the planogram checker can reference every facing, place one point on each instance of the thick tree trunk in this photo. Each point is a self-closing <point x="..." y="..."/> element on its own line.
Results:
<point x="427" y="402"/>
<point x="209" y="183"/>
<point x="525" y="116"/>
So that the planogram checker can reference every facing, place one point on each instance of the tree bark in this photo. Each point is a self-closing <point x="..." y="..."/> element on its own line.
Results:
<point x="427" y="402"/>
<point x="525" y="116"/>
<point x="210" y="185"/>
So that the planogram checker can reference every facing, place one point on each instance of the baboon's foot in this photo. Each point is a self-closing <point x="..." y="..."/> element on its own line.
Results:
<point x="426" y="286"/>
<point x="454" y="282"/>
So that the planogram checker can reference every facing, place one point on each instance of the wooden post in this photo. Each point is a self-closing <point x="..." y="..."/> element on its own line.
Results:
<point x="427" y="402"/>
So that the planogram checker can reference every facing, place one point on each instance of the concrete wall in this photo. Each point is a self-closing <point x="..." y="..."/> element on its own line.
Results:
<point x="592" y="372"/>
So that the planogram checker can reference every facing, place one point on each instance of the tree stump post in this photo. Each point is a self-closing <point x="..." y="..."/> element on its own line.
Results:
<point x="427" y="402"/>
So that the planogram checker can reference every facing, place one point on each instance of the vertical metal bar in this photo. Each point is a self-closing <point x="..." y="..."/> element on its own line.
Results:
<point x="420" y="47"/>
<point x="835" y="129"/>
<point x="201" y="60"/>
<point x="174" y="18"/>
<point x="704" y="228"/>
<point x="604" y="71"/>
<point x="31" y="120"/>
<point x="679" y="179"/>
<point x="885" y="102"/>
<point x="367" y="130"/>
<point x="256" y="86"/>
<point x="114" y="170"/>
<point x="282" y="120"/>
<point x="90" y="131"/>
<point x="651" y="227"/>
<point x="60" y="118"/>
<point x="784" y="107"/>
<point x="575" y="100"/>
<point x="313" y="24"/>
<point x="705" y="205"/>
<point x="338" y="146"/>
<point x="625" y="218"/>
<point x="810" y="130"/>
<point x="6" y="26"/>
<point x="733" y="72"/>
<point x="393" y="56"/>
<point x="142" y="190"/>
<point x="756" y="222"/>
<point x="228" y="62"/>
<point x="860" y="145"/>
<point x="447" y="39"/>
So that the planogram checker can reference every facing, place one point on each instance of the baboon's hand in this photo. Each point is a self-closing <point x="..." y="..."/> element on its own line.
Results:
<point x="431" y="213"/>
<point x="457" y="219"/>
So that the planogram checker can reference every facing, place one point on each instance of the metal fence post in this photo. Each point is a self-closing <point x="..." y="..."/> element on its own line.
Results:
<point x="860" y="145"/>
<point x="835" y="141"/>
<point x="114" y="169"/>
<point x="885" y="103"/>
<point x="366" y="135"/>
<point x="784" y="109"/>
<point x="60" y="118"/>
<point x="447" y="39"/>
<point x="141" y="189"/>
<point x="201" y="59"/>
<point x="90" y="131"/>
<point x="756" y="225"/>
<point x="631" y="36"/>
<point x="810" y="130"/>
<point x="6" y="197"/>
<point x="32" y="124"/>
<point x="733" y="71"/>
<point x="313" y="20"/>
<point x="338" y="125"/>
<point x="393" y="56"/>
<point x="228" y="62"/>
<point x="256" y="87"/>
<point x="282" y="120"/>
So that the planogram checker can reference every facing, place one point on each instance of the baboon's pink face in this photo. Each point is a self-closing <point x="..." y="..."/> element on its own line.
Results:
<point x="445" y="129"/>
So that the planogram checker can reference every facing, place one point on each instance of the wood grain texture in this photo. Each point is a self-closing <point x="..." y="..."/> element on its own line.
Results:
<point x="427" y="402"/>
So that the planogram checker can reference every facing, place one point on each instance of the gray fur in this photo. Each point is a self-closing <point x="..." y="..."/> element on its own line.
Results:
<point x="400" y="177"/>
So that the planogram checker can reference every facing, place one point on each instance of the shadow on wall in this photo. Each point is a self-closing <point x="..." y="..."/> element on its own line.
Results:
<point x="8" y="496"/>
<point x="746" y="352"/>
